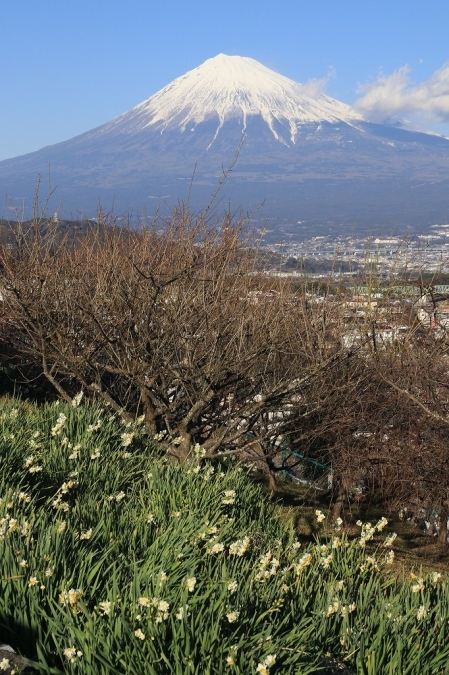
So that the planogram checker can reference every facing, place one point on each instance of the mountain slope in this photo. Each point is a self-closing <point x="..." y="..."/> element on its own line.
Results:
<point x="305" y="155"/>
<point x="229" y="87"/>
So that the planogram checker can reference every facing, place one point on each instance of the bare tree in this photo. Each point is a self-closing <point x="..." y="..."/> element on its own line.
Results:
<point x="179" y="322"/>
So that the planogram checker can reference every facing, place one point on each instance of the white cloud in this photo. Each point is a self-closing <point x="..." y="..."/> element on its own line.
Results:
<point x="396" y="94"/>
<point x="316" y="87"/>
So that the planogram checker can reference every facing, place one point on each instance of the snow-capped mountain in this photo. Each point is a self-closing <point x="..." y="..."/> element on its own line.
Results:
<point x="304" y="155"/>
<point x="232" y="87"/>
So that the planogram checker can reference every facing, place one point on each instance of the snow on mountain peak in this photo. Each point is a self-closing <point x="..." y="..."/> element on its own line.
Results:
<point x="226" y="87"/>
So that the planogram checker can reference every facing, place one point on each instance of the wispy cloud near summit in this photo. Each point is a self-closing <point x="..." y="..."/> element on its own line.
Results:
<point x="396" y="94"/>
<point x="317" y="86"/>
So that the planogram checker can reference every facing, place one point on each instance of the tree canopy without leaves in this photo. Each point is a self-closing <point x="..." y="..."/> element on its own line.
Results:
<point x="180" y="323"/>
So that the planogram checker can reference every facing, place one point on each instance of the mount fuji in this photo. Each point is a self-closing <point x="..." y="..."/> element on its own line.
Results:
<point x="302" y="156"/>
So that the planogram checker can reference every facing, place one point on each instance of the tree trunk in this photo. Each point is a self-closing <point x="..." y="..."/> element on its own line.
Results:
<point x="271" y="481"/>
<point x="150" y="412"/>
<point x="183" y="447"/>
<point x="271" y="474"/>
<point x="341" y="497"/>
<point x="442" y="533"/>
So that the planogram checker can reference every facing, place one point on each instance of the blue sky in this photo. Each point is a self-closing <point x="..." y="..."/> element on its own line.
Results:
<point x="67" y="66"/>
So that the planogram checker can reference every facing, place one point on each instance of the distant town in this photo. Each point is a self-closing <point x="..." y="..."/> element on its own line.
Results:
<point x="343" y="256"/>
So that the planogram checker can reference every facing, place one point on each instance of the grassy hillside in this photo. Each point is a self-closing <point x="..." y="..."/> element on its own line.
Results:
<point x="114" y="560"/>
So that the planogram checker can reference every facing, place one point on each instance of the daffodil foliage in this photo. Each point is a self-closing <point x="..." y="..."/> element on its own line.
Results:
<point x="114" y="559"/>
